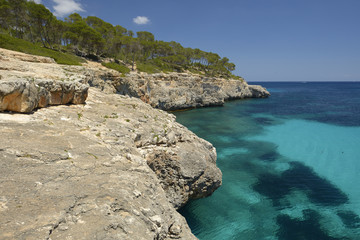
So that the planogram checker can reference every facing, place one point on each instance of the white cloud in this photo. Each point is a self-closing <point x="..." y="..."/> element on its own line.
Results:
<point x="65" y="7"/>
<point x="141" y="20"/>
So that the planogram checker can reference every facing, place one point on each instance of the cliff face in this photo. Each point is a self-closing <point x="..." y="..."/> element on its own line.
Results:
<point x="171" y="91"/>
<point x="182" y="90"/>
<point x="113" y="168"/>
<point x="41" y="82"/>
<point x="27" y="82"/>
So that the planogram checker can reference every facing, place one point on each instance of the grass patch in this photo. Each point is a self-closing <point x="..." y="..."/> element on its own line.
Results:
<point x="195" y="71"/>
<point x="147" y="67"/>
<point x="93" y="155"/>
<point x="20" y="45"/>
<point x="237" y="78"/>
<point x="120" y="68"/>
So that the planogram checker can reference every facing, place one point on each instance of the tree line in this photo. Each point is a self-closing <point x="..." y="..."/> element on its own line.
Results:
<point x="92" y="37"/>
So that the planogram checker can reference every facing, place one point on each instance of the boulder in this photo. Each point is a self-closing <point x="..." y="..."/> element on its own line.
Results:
<point x="25" y="95"/>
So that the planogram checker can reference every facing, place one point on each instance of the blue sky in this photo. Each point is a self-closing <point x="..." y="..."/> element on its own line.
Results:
<point x="268" y="40"/>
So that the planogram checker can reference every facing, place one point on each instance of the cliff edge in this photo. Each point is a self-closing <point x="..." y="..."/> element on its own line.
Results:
<point x="28" y="82"/>
<point x="173" y="91"/>
<point x="108" y="166"/>
<point x="114" y="168"/>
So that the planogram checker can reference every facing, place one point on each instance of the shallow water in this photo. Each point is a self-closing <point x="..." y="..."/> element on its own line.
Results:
<point x="290" y="163"/>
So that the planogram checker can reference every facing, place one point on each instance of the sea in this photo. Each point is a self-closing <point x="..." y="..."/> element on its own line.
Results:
<point x="290" y="164"/>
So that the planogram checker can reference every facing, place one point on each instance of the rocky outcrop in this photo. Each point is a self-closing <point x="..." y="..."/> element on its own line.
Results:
<point x="182" y="90"/>
<point x="25" y="83"/>
<point x="170" y="91"/>
<point x="25" y="95"/>
<point x="114" y="168"/>
<point x="181" y="177"/>
<point x="174" y="91"/>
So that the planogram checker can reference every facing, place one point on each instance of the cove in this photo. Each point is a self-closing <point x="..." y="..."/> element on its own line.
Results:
<point x="290" y="164"/>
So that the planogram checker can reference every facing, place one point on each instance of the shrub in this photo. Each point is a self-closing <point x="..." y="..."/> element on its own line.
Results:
<point x="15" y="44"/>
<point x="120" y="68"/>
<point x="148" y="68"/>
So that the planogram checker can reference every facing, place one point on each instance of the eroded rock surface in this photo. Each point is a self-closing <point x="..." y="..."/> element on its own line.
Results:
<point x="114" y="168"/>
<point x="174" y="91"/>
<point x="27" y="83"/>
<point x="165" y="91"/>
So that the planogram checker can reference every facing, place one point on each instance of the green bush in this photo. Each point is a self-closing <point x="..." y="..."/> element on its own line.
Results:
<point x="196" y="71"/>
<point x="148" y="68"/>
<point x="15" y="44"/>
<point x="237" y="78"/>
<point x="120" y="68"/>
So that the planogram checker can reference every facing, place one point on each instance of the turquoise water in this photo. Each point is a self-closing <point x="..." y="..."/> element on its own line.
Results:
<point x="290" y="163"/>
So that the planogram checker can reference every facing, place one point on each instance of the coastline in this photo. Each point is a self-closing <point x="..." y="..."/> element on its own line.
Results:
<point x="63" y="153"/>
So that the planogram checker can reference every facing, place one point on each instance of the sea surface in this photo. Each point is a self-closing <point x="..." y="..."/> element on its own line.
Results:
<point x="290" y="163"/>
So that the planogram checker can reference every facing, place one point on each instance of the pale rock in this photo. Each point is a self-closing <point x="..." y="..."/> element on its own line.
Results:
<point x="156" y="219"/>
<point x="127" y="174"/>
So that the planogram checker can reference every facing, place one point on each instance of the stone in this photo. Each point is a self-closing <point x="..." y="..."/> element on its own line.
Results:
<point x="64" y="179"/>
<point x="170" y="91"/>
<point x="28" y="82"/>
<point x="175" y="91"/>
<point x="110" y="166"/>
<point x="156" y="219"/>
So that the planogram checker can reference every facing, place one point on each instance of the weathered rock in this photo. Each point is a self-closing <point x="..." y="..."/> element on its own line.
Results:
<point x="24" y="95"/>
<point x="165" y="91"/>
<point x="174" y="91"/>
<point x="25" y="83"/>
<point x="17" y="95"/>
<point x="181" y="177"/>
<point x="182" y="90"/>
<point x="114" y="168"/>
<point x="82" y="171"/>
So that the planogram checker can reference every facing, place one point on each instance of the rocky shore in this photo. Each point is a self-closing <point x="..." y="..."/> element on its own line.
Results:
<point x="173" y="91"/>
<point x="29" y="82"/>
<point x="109" y="166"/>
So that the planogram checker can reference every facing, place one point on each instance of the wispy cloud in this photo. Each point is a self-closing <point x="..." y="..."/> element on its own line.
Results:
<point x="65" y="7"/>
<point x="141" y="20"/>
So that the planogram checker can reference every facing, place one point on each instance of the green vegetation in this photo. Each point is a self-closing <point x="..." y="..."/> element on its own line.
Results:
<point x="148" y="68"/>
<point x="93" y="155"/>
<point x="79" y="115"/>
<point x="113" y="115"/>
<point x="117" y="67"/>
<point x="21" y="45"/>
<point x="30" y="27"/>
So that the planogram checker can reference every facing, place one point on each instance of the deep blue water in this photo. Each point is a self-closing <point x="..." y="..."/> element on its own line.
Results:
<point x="290" y="163"/>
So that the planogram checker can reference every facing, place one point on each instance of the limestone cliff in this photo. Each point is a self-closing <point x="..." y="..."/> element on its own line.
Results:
<point x="26" y="85"/>
<point x="91" y="171"/>
<point x="112" y="167"/>
<point x="67" y="84"/>
<point x="174" y="91"/>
